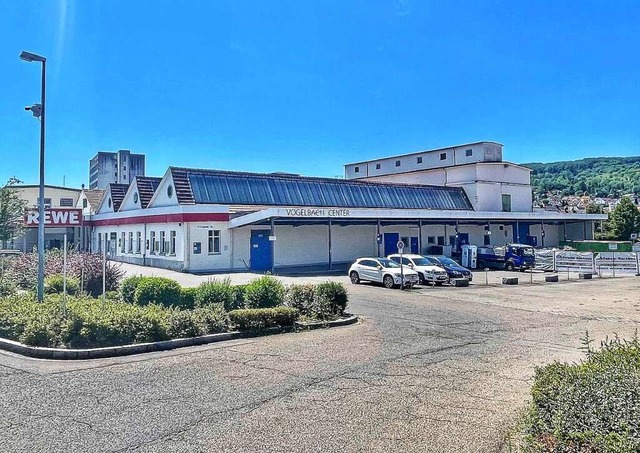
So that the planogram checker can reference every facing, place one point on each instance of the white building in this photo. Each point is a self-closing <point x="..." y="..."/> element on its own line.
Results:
<point x="120" y="167"/>
<point x="208" y="220"/>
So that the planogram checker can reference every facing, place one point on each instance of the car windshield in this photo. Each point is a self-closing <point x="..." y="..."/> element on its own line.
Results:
<point x="388" y="263"/>
<point x="423" y="262"/>
<point x="446" y="260"/>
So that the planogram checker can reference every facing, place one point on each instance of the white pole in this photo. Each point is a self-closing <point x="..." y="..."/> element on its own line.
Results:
<point x="64" y="274"/>
<point x="104" y="272"/>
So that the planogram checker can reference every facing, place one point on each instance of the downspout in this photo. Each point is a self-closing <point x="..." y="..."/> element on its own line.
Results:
<point x="144" y="246"/>
<point x="187" y="246"/>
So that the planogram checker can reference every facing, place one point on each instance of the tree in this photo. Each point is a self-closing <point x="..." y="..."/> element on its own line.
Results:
<point x="625" y="219"/>
<point x="12" y="209"/>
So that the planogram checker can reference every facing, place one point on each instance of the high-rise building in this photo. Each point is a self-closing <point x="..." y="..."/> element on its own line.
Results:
<point x="120" y="167"/>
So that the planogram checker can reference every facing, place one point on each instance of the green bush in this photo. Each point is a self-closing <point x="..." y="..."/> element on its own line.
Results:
<point x="335" y="293"/>
<point x="54" y="284"/>
<point x="7" y="288"/>
<point x="188" y="298"/>
<point x="239" y="292"/>
<point x="158" y="290"/>
<point x="300" y="297"/>
<point x="92" y="323"/>
<point x="260" y="318"/>
<point x="215" y="292"/>
<point x="593" y="406"/>
<point x="264" y="292"/>
<point x="128" y="288"/>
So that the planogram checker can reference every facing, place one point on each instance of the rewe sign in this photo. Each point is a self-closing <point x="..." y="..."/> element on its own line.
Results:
<point x="56" y="218"/>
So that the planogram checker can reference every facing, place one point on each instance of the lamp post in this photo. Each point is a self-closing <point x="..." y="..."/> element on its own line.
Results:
<point x="39" y="112"/>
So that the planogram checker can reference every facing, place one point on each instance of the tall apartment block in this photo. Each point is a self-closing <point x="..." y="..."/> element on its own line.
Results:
<point x="120" y="167"/>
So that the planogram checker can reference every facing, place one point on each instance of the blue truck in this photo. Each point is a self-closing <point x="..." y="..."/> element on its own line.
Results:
<point x="510" y="257"/>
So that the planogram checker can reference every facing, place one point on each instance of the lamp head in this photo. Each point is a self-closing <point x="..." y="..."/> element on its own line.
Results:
<point x="29" y="56"/>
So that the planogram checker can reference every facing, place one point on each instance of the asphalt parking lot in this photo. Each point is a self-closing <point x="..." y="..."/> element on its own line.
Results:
<point x="429" y="370"/>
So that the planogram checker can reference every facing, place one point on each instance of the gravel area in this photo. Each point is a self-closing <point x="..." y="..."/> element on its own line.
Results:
<point x="430" y="370"/>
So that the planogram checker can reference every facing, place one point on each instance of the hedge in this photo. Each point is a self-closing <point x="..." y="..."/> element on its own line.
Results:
<point x="264" y="292"/>
<point x="89" y="322"/>
<point x="260" y="318"/>
<point x="592" y="406"/>
<point x="158" y="290"/>
<point x="55" y="284"/>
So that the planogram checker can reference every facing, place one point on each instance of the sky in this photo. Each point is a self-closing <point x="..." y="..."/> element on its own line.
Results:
<point x="307" y="86"/>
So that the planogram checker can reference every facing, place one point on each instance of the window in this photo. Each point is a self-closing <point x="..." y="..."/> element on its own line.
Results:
<point x="123" y="244"/>
<point x="377" y="166"/>
<point x="506" y="202"/>
<point x="109" y="202"/>
<point x="153" y="242"/>
<point x="443" y="156"/>
<point x="130" y="248"/>
<point x="419" y="159"/>
<point x="397" y="163"/>
<point x="169" y="191"/>
<point x="138" y="242"/>
<point x="431" y="239"/>
<point x="440" y="240"/>
<point x="66" y="202"/>
<point x="356" y="169"/>
<point x="162" y="244"/>
<point x="85" y="203"/>
<point x="469" y="153"/>
<point x="135" y="197"/>
<point x="368" y="263"/>
<point x="99" y="242"/>
<point x="214" y="241"/>
<point x="172" y="242"/>
<point x="47" y="202"/>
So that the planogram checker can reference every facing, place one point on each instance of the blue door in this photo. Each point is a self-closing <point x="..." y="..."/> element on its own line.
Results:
<point x="414" y="245"/>
<point x="260" y="250"/>
<point x="391" y="243"/>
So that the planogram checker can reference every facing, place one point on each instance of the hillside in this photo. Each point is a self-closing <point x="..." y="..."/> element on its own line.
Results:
<point x="598" y="176"/>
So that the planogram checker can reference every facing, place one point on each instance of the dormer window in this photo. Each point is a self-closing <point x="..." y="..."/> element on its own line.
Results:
<point x="397" y="163"/>
<point x="135" y="197"/>
<point x="443" y="156"/>
<point x="109" y="202"/>
<point x="469" y="153"/>
<point x="169" y="191"/>
<point x="356" y="169"/>
<point x="377" y="166"/>
<point x="419" y="159"/>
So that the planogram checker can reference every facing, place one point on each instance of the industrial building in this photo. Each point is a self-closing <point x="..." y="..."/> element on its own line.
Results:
<point x="200" y="220"/>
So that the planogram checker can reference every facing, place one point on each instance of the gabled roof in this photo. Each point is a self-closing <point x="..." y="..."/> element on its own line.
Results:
<point x="94" y="197"/>
<point x="146" y="188"/>
<point x="117" y="192"/>
<point x="239" y="188"/>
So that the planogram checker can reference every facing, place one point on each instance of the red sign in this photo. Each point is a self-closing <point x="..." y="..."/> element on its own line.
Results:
<point x="55" y="218"/>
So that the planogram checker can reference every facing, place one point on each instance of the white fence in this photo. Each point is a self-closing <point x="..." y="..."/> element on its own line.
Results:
<point x="607" y="263"/>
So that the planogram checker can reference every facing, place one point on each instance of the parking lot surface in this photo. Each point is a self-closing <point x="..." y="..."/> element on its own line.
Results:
<point x="429" y="370"/>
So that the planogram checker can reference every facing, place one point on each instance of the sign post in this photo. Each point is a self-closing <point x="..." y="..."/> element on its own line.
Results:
<point x="400" y="245"/>
<point x="64" y="275"/>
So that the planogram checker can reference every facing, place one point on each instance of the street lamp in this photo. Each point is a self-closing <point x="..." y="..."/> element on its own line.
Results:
<point x="38" y="111"/>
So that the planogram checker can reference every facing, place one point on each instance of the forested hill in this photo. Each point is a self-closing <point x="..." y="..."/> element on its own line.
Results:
<point x="598" y="176"/>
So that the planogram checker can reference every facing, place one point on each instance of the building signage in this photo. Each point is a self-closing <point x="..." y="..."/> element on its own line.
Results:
<point x="317" y="212"/>
<point x="56" y="218"/>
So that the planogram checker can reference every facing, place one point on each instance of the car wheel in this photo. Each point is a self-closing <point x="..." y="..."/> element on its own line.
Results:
<point x="420" y="279"/>
<point x="509" y="267"/>
<point x="355" y="278"/>
<point x="439" y="283"/>
<point x="387" y="281"/>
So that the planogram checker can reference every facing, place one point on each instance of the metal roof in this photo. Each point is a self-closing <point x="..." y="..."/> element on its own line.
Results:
<point x="238" y="188"/>
<point x="146" y="188"/>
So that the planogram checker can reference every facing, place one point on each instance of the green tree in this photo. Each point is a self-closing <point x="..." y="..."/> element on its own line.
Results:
<point x="12" y="209"/>
<point x="625" y="219"/>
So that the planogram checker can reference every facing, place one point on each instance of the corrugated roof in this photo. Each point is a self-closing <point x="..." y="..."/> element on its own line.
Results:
<point x="117" y="192"/>
<point x="146" y="188"/>
<point x="239" y="188"/>
<point x="94" y="197"/>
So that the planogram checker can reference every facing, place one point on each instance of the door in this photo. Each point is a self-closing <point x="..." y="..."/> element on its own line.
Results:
<point x="260" y="250"/>
<point x="391" y="243"/>
<point x="370" y="270"/>
<point x="414" y="245"/>
<point x="463" y="239"/>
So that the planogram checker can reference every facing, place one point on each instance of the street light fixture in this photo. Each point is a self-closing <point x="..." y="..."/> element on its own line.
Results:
<point x="31" y="57"/>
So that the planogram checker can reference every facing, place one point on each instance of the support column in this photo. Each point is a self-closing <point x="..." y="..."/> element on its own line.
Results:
<point x="565" y="231"/>
<point x="420" y="237"/>
<point x="379" y="243"/>
<point x="542" y="234"/>
<point x="273" y="247"/>
<point x="584" y="231"/>
<point x="330" y="260"/>
<point x="517" y="232"/>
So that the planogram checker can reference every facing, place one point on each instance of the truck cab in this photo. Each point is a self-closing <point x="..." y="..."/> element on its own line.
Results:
<point x="509" y="257"/>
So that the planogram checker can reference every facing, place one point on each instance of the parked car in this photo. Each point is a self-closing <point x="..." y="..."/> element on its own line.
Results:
<point x="454" y="270"/>
<point x="427" y="271"/>
<point x="381" y="270"/>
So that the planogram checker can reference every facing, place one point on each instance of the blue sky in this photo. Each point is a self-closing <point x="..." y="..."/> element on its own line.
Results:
<point x="308" y="86"/>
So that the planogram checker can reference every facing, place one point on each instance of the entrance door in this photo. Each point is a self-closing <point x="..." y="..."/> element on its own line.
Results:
<point x="391" y="243"/>
<point x="260" y="250"/>
<point x="414" y="245"/>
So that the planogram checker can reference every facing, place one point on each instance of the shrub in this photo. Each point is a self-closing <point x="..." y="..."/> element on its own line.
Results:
<point x="260" y="318"/>
<point x="587" y="407"/>
<point x="188" y="298"/>
<point x="239" y="292"/>
<point x="215" y="292"/>
<point x="300" y="297"/>
<point x="159" y="290"/>
<point x="264" y="292"/>
<point x="335" y="293"/>
<point x="128" y="288"/>
<point x="7" y="288"/>
<point x="85" y="267"/>
<point x="54" y="284"/>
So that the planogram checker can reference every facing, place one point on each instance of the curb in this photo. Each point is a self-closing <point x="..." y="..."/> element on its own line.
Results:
<point x="140" y="348"/>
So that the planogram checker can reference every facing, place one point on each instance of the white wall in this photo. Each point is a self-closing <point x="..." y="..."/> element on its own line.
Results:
<point x="198" y="232"/>
<point x="160" y="197"/>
